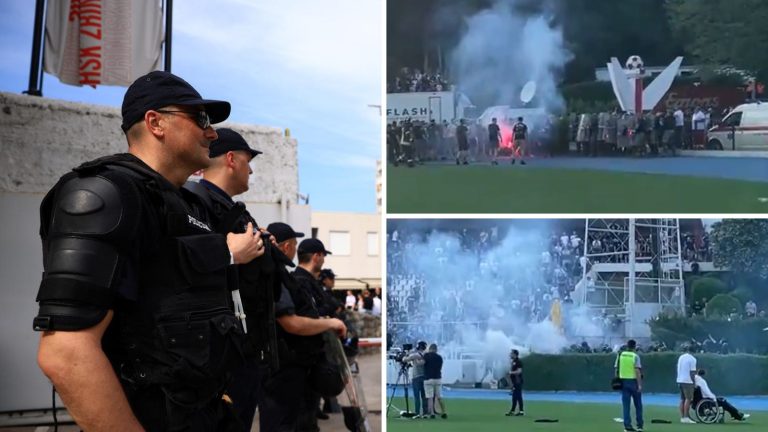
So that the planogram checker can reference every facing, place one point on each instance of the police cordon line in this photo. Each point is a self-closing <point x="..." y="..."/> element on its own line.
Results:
<point x="164" y="305"/>
<point x="412" y="141"/>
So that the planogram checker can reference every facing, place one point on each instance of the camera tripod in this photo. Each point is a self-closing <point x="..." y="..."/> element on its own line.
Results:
<point x="402" y="375"/>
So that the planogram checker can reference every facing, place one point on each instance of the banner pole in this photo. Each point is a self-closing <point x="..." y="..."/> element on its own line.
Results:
<point x="168" y="28"/>
<point x="35" y="81"/>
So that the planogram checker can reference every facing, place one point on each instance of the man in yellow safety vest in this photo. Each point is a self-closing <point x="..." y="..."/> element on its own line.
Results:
<point x="629" y="370"/>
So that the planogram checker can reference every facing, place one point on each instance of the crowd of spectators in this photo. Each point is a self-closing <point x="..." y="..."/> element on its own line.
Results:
<point x="415" y="310"/>
<point x="750" y="310"/>
<point x="708" y="345"/>
<point x="410" y="80"/>
<point x="696" y="248"/>
<point x="366" y="301"/>
<point x="614" y="246"/>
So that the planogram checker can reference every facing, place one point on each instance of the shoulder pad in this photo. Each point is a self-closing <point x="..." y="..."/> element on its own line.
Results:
<point x="104" y="205"/>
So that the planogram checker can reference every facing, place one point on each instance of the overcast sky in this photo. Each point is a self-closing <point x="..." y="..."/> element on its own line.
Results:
<point x="312" y="67"/>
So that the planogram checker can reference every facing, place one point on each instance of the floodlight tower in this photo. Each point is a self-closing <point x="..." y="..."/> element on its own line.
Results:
<point x="634" y="269"/>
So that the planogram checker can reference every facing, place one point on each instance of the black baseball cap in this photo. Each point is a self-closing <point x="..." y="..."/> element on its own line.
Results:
<point x="327" y="274"/>
<point x="229" y="140"/>
<point x="312" y="245"/>
<point x="283" y="232"/>
<point x="159" y="89"/>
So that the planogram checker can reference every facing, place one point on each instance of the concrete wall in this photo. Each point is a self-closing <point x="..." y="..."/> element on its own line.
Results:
<point x="41" y="139"/>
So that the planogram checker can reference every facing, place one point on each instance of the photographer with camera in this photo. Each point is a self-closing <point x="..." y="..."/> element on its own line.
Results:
<point x="416" y="359"/>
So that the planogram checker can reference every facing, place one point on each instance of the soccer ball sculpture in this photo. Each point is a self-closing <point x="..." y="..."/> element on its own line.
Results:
<point x="635" y="63"/>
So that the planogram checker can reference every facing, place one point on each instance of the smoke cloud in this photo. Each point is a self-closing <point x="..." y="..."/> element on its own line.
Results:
<point x="503" y="48"/>
<point x="482" y="297"/>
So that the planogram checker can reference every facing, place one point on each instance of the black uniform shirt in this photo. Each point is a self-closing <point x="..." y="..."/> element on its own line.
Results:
<point x="521" y="130"/>
<point x="284" y="306"/>
<point x="493" y="132"/>
<point x="433" y="365"/>
<point x="517" y="364"/>
<point x="461" y="136"/>
<point x="308" y="289"/>
<point x="212" y="187"/>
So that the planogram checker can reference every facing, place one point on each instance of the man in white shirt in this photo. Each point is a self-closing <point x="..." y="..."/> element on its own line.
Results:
<point x="583" y="262"/>
<point x="350" y="301"/>
<point x="686" y="371"/>
<point x="376" y="311"/>
<point x="679" y="124"/>
<point x="575" y="241"/>
<point x="699" y="125"/>
<point x="751" y="309"/>
<point x="703" y="387"/>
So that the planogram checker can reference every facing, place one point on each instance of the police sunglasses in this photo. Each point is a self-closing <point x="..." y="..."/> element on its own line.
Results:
<point x="200" y="117"/>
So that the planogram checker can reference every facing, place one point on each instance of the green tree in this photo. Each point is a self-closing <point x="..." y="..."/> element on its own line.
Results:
<point x="597" y="30"/>
<point x="722" y="32"/>
<point x="742" y="246"/>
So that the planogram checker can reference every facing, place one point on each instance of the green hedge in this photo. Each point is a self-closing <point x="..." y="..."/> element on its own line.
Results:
<point x="707" y="288"/>
<point x="742" y="335"/>
<point x="722" y="305"/>
<point x="740" y="374"/>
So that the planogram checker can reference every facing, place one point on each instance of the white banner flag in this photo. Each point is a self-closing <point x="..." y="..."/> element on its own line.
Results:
<point x="103" y="42"/>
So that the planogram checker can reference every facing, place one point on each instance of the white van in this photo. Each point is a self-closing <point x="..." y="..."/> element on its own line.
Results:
<point x="744" y="128"/>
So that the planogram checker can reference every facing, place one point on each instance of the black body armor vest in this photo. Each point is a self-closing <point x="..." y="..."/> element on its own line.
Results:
<point x="173" y="326"/>
<point x="258" y="280"/>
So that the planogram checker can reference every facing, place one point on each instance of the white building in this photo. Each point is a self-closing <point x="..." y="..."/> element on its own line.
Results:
<point x="354" y="240"/>
<point x="379" y="187"/>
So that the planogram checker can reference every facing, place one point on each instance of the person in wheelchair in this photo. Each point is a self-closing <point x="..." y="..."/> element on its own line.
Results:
<point x="702" y="392"/>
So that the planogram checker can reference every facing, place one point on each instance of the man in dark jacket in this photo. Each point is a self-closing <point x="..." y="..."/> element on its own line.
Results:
<point x="137" y="330"/>
<point x="289" y="400"/>
<point x="255" y="285"/>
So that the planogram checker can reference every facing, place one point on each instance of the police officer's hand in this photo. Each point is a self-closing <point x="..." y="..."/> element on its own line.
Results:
<point x="271" y="237"/>
<point x="245" y="247"/>
<point x="338" y="326"/>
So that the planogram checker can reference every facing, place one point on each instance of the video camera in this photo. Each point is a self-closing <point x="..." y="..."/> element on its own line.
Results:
<point x="399" y="355"/>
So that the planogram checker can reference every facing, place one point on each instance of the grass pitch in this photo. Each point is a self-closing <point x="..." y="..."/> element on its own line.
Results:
<point x="528" y="189"/>
<point x="466" y="415"/>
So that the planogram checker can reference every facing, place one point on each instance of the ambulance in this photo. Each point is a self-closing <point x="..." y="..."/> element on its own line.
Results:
<point x="744" y="128"/>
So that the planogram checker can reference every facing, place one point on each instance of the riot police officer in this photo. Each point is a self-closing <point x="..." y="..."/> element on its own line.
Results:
<point x="254" y="285"/>
<point x="137" y="329"/>
<point x="289" y="399"/>
<point x="312" y="254"/>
